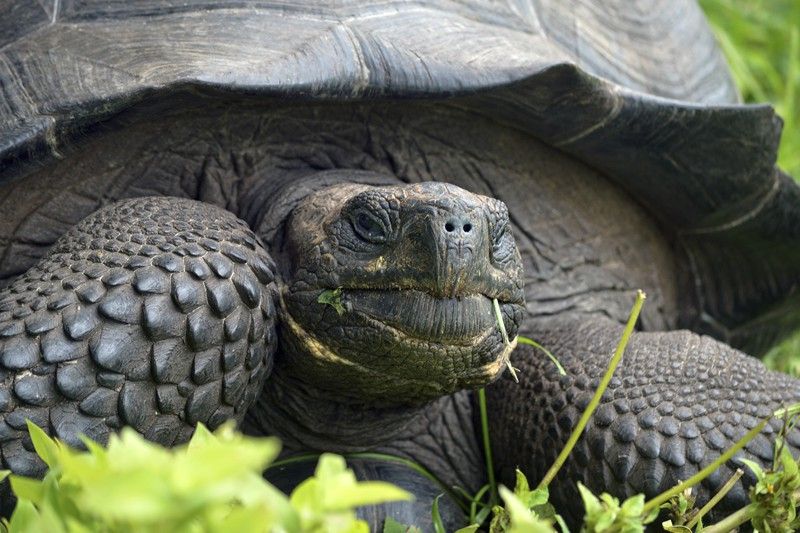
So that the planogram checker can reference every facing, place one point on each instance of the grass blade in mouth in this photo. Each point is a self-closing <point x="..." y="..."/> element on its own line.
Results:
<point x="504" y="333"/>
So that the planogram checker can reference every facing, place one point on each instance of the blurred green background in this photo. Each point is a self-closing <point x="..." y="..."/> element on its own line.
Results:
<point x="761" y="39"/>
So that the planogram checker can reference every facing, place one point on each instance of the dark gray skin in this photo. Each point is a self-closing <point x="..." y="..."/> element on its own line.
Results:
<point x="207" y="350"/>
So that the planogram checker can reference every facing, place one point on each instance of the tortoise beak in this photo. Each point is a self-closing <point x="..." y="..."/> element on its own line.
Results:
<point x="461" y="251"/>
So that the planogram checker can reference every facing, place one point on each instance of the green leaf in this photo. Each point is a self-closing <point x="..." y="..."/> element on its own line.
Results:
<point x="330" y="496"/>
<point x="753" y="466"/>
<point x="522" y="519"/>
<point x="50" y="521"/>
<point x="240" y="520"/>
<point x="667" y="525"/>
<point x="788" y="463"/>
<point x="468" y="529"/>
<point x="390" y="525"/>
<point x="141" y="498"/>
<point x="46" y="448"/>
<point x="590" y="502"/>
<point x="633" y="506"/>
<point x="606" y="514"/>
<point x="202" y="436"/>
<point x="438" y="526"/>
<point x="93" y="447"/>
<point x="531" y="498"/>
<point x="338" y="489"/>
<point x="332" y="298"/>
<point x="25" y="518"/>
<point x="521" y="486"/>
<point x="26" y="488"/>
<point x="366" y="493"/>
<point x="649" y="516"/>
<point x="224" y="458"/>
<point x="213" y="484"/>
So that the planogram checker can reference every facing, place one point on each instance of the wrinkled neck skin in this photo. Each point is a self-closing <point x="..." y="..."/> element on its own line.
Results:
<point x="440" y="436"/>
<point x="308" y="418"/>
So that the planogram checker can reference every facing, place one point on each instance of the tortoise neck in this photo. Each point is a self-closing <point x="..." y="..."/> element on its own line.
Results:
<point x="307" y="418"/>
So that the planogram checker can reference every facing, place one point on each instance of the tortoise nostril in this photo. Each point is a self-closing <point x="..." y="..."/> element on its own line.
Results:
<point x="467" y="227"/>
<point x="449" y="226"/>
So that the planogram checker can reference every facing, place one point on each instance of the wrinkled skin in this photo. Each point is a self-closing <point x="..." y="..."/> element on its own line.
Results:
<point x="418" y="267"/>
<point x="583" y="244"/>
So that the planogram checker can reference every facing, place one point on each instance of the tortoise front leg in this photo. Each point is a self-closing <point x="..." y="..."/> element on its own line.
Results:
<point x="676" y="402"/>
<point x="155" y="313"/>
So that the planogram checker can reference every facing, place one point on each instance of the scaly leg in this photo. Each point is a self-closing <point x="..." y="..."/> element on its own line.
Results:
<point x="156" y="313"/>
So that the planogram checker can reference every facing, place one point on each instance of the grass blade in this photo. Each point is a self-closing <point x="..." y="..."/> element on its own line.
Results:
<point x="531" y="342"/>
<point x="717" y="497"/>
<point x="438" y="525"/>
<point x="502" y="325"/>
<point x="487" y="446"/>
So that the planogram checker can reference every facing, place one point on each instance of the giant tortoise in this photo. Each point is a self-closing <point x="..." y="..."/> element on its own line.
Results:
<point x="298" y="214"/>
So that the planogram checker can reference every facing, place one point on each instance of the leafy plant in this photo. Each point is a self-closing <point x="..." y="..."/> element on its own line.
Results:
<point x="606" y="515"/>
<point x="521" y="519"/>
<point x="212" y="484"/>
<point x="773" y="495"/>
<point x="681" y="509"/>
<point x="535" y="503"/>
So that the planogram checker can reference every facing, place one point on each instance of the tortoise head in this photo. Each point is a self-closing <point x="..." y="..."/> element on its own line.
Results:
<point x="389" y="291"/>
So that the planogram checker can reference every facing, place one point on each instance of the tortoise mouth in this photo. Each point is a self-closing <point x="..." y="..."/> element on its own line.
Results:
<point x="388" y="343"/>
<point x="409" y="316"/>
<point x="416" y="314"/>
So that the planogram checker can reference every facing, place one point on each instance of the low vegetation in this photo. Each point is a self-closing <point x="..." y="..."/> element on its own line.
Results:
<point x="212" y="484"/>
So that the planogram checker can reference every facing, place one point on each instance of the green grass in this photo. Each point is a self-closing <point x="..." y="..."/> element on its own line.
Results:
<point x="761" y="40"/>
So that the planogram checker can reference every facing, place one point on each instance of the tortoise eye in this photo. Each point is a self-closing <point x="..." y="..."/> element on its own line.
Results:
<point x="369" y="227"/>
